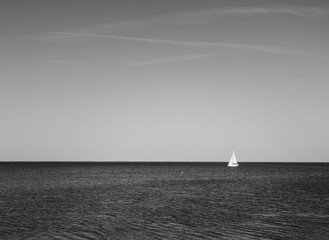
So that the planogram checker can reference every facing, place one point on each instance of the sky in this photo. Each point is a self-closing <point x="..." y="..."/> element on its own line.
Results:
<point x="186" y="80"/>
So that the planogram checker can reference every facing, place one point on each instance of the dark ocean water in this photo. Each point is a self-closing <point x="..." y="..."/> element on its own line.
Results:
<point x="164" y="201"/>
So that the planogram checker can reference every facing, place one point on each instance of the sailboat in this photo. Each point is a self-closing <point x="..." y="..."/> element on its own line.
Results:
<point x="233" y="162"/>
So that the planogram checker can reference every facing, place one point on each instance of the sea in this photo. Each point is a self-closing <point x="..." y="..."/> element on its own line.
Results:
<point x="97" y="200"/>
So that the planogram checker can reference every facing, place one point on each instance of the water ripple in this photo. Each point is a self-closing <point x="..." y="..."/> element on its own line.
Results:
<point x="157" y="202"/>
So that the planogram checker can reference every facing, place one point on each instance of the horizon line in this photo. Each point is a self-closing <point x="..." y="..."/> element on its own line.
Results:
<point x="153" y="161"/>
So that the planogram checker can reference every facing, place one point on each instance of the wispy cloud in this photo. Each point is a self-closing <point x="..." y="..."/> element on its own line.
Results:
<point x="304" y="12"/>
<point x="173" y="59"/>
<point x="206" y="16"/>
<point x="233" y="46"/>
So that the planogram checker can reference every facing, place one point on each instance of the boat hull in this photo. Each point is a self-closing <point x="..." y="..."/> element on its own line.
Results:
<point x="233" y="165"/>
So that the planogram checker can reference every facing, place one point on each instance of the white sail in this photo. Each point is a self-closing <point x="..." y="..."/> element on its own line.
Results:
<point x="233" y="162"/>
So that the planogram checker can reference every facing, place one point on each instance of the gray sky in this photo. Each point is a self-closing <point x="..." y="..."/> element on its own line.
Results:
<point x="164" y="80"/>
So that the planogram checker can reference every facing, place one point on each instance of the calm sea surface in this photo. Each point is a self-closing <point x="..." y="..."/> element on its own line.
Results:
<point x="164" y="201"/>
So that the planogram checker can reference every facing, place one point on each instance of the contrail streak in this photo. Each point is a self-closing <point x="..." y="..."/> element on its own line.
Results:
<point x="241" y="47"/>
<point x="173" y="59"/>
